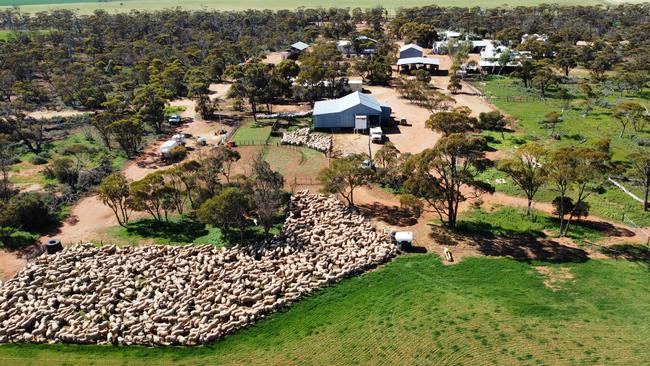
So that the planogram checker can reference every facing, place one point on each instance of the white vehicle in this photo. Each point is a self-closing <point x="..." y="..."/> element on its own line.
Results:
<point x="402" y="121"/>
<point x="403" y="239"/>
<point x="368" y="164"/>
<point x="174" y="119"/>
<point x="167" y="146"/>
<point x="179" y="138"/>
<point x="201" y="141"/>
<point x="376" y="134"/>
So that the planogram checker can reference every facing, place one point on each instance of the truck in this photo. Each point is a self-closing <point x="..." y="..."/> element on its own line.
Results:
<point x="376" y="135"/>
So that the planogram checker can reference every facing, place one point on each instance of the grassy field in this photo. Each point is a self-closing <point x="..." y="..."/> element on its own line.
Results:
<point x="575" y="130"/>
<point x="28" y="173"/>
<point x="87" y="7"/>
<point x="511" y="222"/>
<point x="418" y="311"/>
<point x="253" y="133"/>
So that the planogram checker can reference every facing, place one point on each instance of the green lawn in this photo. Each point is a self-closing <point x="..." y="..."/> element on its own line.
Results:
<point x="575" y="130"/>
<point x="87" y="7"/>
<point x="60" y="148"/>
<point x="253" y="133"/>
<point x="511" y="221"/>
<point x="416" y="310"/>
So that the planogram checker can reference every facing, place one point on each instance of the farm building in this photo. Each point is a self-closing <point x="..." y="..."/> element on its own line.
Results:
<point x="296" y="50"/>
<point x="413" y="63"/>
<point x="410" y="50"/>
<point x="448" y="46"/>
<point x="492" y="59"/>
<point x="361" y="45"/>
<point x="342" y="112"/>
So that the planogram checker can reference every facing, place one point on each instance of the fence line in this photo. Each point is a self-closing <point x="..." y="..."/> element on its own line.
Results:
<point x="622" y="188"/>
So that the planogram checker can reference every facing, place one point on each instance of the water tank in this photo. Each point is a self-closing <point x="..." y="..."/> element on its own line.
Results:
<point x="52" y="246"/>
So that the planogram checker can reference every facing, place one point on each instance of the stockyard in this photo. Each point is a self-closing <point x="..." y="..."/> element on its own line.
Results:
<point x="378" y="185"/>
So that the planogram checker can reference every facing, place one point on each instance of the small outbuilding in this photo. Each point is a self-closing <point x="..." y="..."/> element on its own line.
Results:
<point x="343" y="112"/>
<point x="296" y="50"/>
<point x="411" y="50"/>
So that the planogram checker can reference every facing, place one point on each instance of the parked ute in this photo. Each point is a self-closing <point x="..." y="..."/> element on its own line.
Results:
<point x="376" y="134"/>
<point x="368" y="164"/>
<point x="174" y="119"/>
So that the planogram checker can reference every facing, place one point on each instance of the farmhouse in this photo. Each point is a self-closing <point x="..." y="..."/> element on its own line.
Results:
<point x="342" y="112"/>
<point x="362" y="45"/>
<point x="499" y="58"/>
<point x="410" y="50"/>
<point x="447" y="46"/>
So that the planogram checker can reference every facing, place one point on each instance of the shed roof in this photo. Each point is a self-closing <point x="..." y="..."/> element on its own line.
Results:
<point x="366" y="38"/>
<point x="411" y="45"/>
<point x="418" y="60"/>
<point x="301" y="46"/>
<point x="346" y="102"/>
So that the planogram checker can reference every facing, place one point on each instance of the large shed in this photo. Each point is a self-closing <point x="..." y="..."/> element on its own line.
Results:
<point x="342" y="112"/>
<point x="411" y="50"/>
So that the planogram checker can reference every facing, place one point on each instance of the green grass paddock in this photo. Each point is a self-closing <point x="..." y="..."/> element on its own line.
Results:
<point x="416" y="310"/>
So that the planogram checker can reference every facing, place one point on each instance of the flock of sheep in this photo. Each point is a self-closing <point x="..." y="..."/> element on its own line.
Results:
<point x="302" y="137"/>
<point x="188" y="295"/>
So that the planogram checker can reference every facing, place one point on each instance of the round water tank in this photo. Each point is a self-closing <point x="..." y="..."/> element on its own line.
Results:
<point x="52" y="246"/>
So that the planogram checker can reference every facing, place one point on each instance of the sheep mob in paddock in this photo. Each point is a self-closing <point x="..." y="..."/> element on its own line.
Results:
<point x="188" y="295"/>
<point x="303" y="137"/>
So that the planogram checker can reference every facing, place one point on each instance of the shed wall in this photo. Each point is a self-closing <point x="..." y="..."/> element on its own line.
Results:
<point x="410" y="52"/>
<point x="343" y="119"/>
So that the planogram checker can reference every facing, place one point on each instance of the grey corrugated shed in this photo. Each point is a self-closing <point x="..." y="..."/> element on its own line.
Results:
<point x="339" y="113"/>
<point x="347" y="102"/>
<point x="301" y="46"/>
<point x="410" y="50"/>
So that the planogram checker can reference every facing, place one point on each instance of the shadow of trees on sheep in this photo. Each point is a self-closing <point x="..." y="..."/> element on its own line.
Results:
<point x="527" y="245"/>
<point x="633" y="252"/>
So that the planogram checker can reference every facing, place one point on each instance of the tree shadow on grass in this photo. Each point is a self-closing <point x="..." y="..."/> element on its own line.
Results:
<point x="184" y="230"/>
<point x="521" y="245"/>
<point x="633" y="252"/>
<point x="391" y="215"/>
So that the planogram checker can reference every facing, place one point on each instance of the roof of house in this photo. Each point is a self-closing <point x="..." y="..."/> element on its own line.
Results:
<point x="345" y="103"/>
<point x="300" y="46"/>
<point x="481" y="42"/>
<point x="366" y="38"/>
<point x="418" y="60"/>
<point x="411" y="45"/>
<point x="451" y="33"/>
